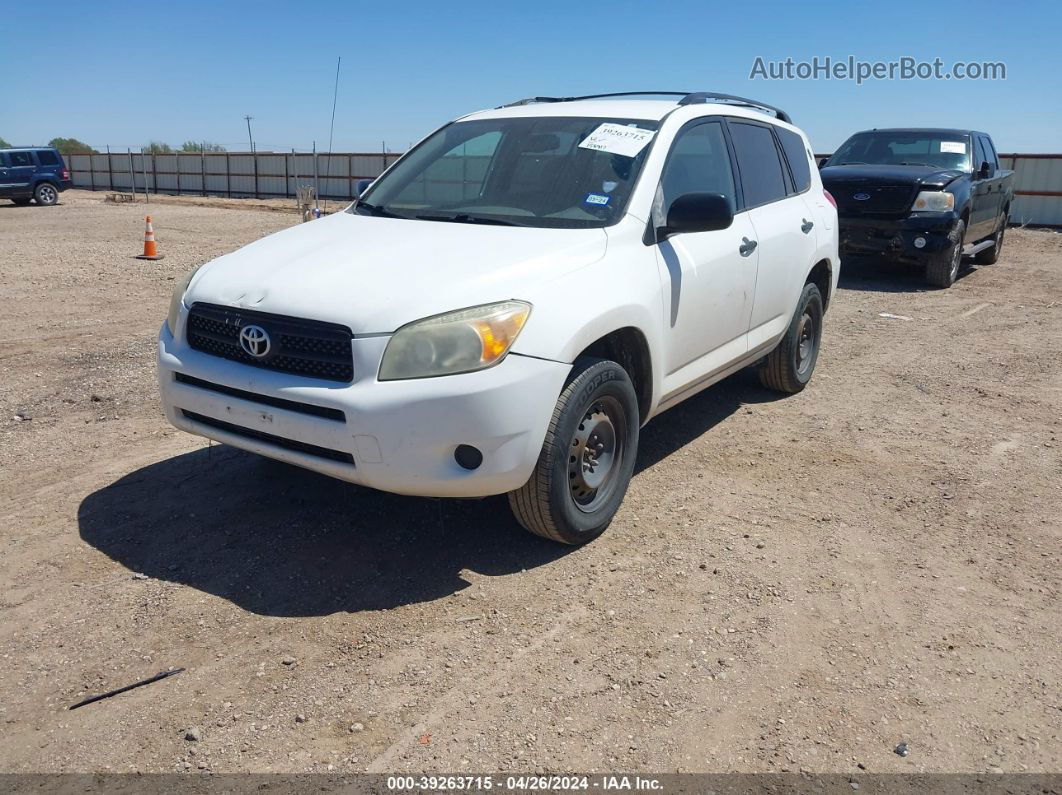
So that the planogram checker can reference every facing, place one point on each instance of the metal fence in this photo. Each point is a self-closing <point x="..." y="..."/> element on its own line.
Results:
<point x="237" y="174"/>
<point x="1037" y="177"/>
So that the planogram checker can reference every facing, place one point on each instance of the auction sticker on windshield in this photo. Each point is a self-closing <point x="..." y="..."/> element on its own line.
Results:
<point x="617" y="139"/>
<point x="955" y="147"/>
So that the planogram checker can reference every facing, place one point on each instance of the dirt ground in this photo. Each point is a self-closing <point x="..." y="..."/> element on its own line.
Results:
<point x="796" y="583"/>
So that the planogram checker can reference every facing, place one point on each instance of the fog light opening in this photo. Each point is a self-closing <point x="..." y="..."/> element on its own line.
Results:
<point x="920" y="242"/>
<point x="468" y="456"/>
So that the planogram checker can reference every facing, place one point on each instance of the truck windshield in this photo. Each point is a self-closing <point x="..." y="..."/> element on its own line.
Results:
<point x="905" y="148"/>
<point x="564" y="172"/>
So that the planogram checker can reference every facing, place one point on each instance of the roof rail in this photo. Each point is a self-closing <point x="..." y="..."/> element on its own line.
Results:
<point x="704" y="96"/>
<point x="687" y="98"/>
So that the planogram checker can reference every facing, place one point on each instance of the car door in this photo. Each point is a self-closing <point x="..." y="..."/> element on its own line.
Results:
<point x="993" y="193"/>
<point x="20" y="170"/>
<point x="708" y="277"/>
<point x="783" y="225"/>
<point x="5" y="181"/>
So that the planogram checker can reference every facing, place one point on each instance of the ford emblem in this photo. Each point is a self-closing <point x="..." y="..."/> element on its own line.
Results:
<point x="861" y="197"/>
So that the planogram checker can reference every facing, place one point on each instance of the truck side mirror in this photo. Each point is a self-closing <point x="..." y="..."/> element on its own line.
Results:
<point x="361" y="185"/>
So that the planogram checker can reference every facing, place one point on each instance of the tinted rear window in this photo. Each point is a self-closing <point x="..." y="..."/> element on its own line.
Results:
<point x="761" y="169"/>
<point x="20" y="158"/>
<point x="793" y="146"/>
<point x="46" y="157"/>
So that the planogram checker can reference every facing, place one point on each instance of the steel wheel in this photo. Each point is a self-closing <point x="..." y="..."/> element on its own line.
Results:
<point x="597" y="453"/>
<point x="806" y="342"/>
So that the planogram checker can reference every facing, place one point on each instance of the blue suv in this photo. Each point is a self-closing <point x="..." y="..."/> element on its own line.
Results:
<point x="38" y="173"/>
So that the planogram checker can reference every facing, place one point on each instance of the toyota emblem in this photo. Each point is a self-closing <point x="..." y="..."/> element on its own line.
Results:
<point x="255" y="341"/>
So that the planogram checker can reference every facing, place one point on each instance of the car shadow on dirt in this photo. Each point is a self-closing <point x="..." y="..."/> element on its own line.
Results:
<point x="881" y="275"/>
<point x="281" y="541"/>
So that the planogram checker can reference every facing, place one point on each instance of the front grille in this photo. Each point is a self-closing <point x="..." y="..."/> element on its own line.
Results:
<point x="303" y="347"/>
<point x="268" y="400"/>
<point x="279" y="441"/>
<point x="884" y="199"/>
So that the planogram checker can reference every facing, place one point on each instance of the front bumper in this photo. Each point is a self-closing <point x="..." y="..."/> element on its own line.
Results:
<point x="396" y="436"/>
<point x="895" y="237"/>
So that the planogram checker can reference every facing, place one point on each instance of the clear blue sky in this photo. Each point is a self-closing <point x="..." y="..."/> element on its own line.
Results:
<point x="123" y="73"/>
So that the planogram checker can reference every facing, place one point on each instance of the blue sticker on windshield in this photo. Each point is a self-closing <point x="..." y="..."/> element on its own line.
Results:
<point x="596" y="198"/>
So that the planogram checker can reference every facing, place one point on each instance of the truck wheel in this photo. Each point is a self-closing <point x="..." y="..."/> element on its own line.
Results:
<point x="46" y="194"/>
<point x="943" y="269"/>
<point x="587" y="458"/>
<point x="990" y="255"/>
<point x="789" y="366"/>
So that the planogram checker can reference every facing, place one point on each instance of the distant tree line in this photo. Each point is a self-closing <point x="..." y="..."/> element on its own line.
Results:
<point x="72" y="146"/>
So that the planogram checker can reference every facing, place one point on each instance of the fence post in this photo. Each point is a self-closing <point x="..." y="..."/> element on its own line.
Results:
<point x="143" y="167"/>
<point x="177" y="168"/>
<point x="202" y="167"/>
<point x="254" y="159"/>
<point x="285" y="175"/>
<point x="92" y="173"/>
<point x="110" y="170"/>
<point x="228" y="176"/>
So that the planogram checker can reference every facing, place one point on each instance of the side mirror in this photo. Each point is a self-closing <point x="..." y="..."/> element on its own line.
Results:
<point x="697" y="212"/>
<point x="823" y="161"/>
<point x="985" y="171"/>
<point x="361" y="186"/>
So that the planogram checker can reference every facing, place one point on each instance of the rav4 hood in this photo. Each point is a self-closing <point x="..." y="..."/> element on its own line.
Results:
<point x="376" y="274"/>
<point x="927" y="176"/>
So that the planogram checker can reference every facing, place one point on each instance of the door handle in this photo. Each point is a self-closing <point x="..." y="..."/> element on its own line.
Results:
<point x="806" y="226"/>
<point x="747" y="247"/>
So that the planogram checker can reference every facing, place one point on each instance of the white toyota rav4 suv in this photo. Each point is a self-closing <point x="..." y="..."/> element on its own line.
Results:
<point x="506" y="306"/>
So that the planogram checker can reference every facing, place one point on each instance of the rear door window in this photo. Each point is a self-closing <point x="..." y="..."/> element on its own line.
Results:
<point x="46" y="157"/>
<point x="979" y="153"/>
<point x="796" y="154"/>
<point x="20" y="159"/>
<point x="762" y="178"/>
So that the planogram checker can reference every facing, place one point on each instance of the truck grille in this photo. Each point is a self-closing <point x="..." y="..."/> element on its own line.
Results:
<point x="886" y="200"/>
<point x="303" y="347"/>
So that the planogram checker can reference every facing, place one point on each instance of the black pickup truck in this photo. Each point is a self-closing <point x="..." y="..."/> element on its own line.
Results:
<point x="928" y="196"/>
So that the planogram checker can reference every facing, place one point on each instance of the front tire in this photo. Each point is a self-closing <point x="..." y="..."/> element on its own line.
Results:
<point x="790" y="365"/>
<point x="46" y="194"/>
<point x="943" y="269"/>
<point x="587" y="458"/>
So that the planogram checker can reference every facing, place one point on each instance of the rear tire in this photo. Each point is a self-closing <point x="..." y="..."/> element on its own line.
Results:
<point x="587" y="458"/>
<point x="990" y="255"/>
<point x="46" y="194"/>
<point x="21" y="202"/>
<point x="790" y="365"/>
<point x="943" y="269"/>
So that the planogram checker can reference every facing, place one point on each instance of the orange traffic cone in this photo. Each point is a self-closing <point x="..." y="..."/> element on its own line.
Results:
<point x="151" y="249"/>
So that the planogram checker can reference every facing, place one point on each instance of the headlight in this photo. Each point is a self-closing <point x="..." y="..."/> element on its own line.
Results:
<point x="179" y="290"/>
<point x="934" y="201"/>
<point x="457" y="342"/>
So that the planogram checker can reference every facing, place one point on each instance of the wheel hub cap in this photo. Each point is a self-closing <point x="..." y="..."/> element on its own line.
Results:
<point x="595" y="455"/>
<point x="805" y="342"/>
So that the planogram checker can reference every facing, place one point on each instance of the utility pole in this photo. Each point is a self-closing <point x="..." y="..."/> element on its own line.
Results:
<point x="250" y="140"/>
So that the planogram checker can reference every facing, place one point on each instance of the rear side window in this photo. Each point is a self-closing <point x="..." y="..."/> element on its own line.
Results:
<point x="46" y="157"/>
<point x="699" y="162"/>
<point x="20" y="158"/>
<point x="990" y="151"/>
<point x="979" y="153"/>
<point x="762" y="179"/>
<point x="796" y="154"/>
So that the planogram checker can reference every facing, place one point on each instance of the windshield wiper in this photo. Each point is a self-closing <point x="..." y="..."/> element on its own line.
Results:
<point x="912" y="163"/>
<point x="465" y="218"/>
<point x="372" y="209"/>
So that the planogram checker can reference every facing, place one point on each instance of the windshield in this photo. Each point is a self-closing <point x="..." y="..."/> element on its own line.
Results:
<point x="898" y="148"/>
<point x="533" y="171"/>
